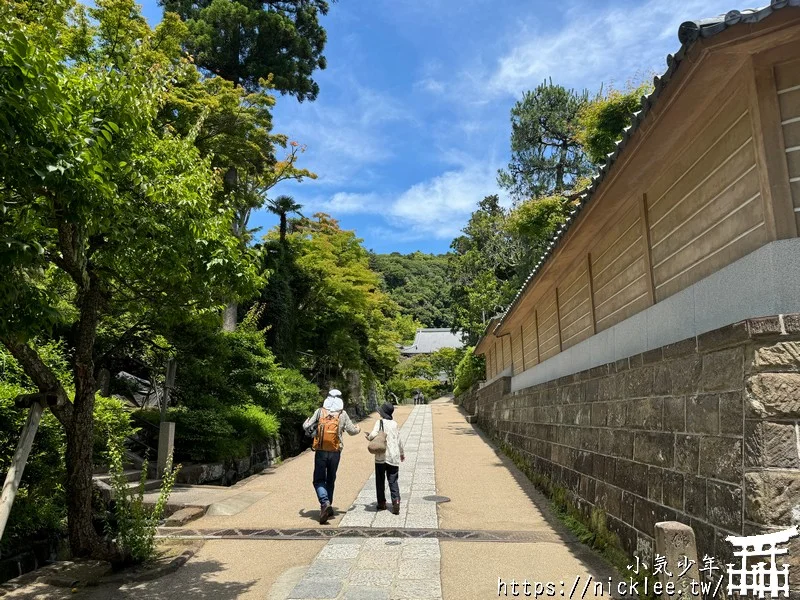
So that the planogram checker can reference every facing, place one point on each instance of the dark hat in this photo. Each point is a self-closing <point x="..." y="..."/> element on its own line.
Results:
<point x="386" y="410"/>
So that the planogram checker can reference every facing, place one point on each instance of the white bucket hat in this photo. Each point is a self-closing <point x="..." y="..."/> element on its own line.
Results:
<point x="333" y="402"/>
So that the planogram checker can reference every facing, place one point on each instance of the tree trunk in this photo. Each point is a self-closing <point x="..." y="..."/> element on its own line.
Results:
<point x="230" y="316"/>
<point x="83" y="539"/>
<point x="283" y="228"/>
<point x="562" y="160"/>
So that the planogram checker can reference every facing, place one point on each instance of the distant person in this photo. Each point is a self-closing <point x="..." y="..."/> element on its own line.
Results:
<point x="387" y="465"/>
<point x="326" y="426"/>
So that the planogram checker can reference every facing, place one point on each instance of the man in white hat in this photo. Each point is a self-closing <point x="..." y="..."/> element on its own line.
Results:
<point x="326" y="426"/>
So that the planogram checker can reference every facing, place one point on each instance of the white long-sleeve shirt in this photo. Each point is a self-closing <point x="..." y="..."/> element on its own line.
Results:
<point x="394" y="445"/>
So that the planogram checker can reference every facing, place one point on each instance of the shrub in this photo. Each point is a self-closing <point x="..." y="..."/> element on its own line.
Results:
<point x="219" y="432"/>
<point x="252" y="424"/>
<point x="111" y="421"/>
<point x="405" y="388"/>
<point x="469" y="371"/>
<point x="133" y="526"/>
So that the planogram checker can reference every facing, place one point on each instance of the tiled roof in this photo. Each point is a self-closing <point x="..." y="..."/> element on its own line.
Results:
<point x="688" y="33"/>
<point x="431" y="340"/>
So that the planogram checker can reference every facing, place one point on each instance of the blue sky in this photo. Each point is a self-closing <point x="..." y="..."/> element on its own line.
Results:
<point x="412" y="120"/>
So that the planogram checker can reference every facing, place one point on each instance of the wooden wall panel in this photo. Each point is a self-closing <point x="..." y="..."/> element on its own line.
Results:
<point x="787" y="82"/>
<point x="530" y="337"/>
<point x="574" y="306"/>
<point x="506" y="352"/>
<point x="549" y="340"/>
<point x="620" y="270"/>
<point x="691" y="207"/>
<point x="712" y="213"/>
<point x="490" y="370"/>
<point x="516" y="351"/>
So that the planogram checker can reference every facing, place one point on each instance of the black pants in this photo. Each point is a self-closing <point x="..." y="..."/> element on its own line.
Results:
<point x="391" y="473"/>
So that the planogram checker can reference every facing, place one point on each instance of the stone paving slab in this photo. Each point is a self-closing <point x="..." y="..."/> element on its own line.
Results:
<point x="390" y="568"/>
<point x="381" y="566"/>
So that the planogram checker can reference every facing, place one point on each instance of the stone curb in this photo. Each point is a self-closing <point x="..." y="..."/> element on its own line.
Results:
<point x="150" y="574"/>
<point x="185" y="515"/>
<point x="50" y="575"/>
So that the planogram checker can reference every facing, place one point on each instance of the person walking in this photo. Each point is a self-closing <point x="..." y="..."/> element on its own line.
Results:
<point x="387" y="464"/>
<point x="326" y="426"/>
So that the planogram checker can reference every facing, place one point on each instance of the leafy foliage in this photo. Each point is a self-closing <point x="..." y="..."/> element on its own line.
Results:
<point x="230" y="390"/>
<point x="340" y="319"/>
<point x="99" y="198"/>
<point x="134" y="524"/>
<point x="38" y="510"/>
<point x="602" y="121"/>
<point x="112" y="421"/>
<point x="418" y="283"/>
<point x="245" y="41"/>
<point x="446" y="360"/>
<point x="470" y="370"/>
<point x="546" y="156"/>
<point x="481" y="268"/>
<point x="532" y="224"/>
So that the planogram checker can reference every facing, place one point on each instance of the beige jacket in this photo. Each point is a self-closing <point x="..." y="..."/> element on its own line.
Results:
<point x="394" y="445"/>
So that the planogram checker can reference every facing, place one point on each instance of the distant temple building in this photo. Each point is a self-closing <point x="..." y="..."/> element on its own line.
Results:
<point x="428" y="341"/>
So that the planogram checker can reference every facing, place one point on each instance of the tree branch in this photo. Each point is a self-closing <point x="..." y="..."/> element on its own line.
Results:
<point x="41" y="375"/>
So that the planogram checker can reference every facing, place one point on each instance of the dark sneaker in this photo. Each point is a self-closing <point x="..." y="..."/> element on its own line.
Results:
<point x="396" y="508"/>
<point x="381" y="506"/>
<point x="324" y="513"/>
<point x="331" y="512"/>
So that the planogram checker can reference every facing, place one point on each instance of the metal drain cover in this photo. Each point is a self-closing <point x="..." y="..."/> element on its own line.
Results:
<point x="437" y="498"/>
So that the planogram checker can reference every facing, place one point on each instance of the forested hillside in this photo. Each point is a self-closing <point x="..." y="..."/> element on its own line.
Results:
<point x="418" y="283"/>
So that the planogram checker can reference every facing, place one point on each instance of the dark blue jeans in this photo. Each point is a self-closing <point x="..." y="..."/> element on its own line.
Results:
<point x="325" y="467"/>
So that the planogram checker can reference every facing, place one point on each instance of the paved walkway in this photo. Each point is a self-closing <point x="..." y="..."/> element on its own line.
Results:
<point x="265" y="541"/>
<point x="386" y="568"/>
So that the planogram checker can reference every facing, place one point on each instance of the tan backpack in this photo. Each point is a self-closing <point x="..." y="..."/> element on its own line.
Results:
<point x="327" y="438"/>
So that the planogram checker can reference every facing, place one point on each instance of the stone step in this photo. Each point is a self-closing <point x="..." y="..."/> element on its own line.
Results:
<point x="131" y="474"/>
<point x="103" y="484"/>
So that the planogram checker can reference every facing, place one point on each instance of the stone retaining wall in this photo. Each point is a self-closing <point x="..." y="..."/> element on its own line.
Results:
<point x="705" y="431"/>
<point x="230" y="471"/>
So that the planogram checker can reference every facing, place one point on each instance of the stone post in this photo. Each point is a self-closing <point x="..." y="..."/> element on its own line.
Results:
<point x="166" y="443"/>
<point x="675" y="541"/>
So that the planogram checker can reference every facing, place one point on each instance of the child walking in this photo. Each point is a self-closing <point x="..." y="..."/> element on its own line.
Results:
<point x="387" y="464"/>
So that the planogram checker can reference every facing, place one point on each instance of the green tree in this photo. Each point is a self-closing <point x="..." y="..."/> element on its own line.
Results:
<point x="446" y="360"/>
<point x="418" y="282"/>
<point x="546" y="156"/>
<point x="343" y="319"/>
<point x="245" y="48"/>
<point x="282" y="206"/>
<point x="481" y="268"/>
<point x="532" y="224"/>
<point x="602" y="121"/>
<point x="469" y="371"/>
<point x="246" y="41"/>
<point x="104" y="212"/>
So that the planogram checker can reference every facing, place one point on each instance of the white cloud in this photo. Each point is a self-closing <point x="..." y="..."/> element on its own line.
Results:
<point x="595" y="45"/>
<point x="434" y="208"/>
<point x="440" y="206"/>
<point x="348" y="203"/>
<point x="345" y="130"/>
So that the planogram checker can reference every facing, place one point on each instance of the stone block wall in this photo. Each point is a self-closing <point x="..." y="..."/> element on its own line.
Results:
<point x="705" y="431"/>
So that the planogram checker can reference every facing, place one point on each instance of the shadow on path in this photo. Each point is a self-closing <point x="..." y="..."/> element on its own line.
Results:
<point x="581" y="551"/>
